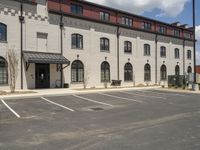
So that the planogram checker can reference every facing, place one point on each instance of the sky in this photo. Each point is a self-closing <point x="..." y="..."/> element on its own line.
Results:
<point x="163" y="10"/>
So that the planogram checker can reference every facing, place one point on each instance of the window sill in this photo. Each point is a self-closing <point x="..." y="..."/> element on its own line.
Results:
<point x="105" y="51"/>
<point x="4" y="84"/>
<point x="163" y="57"/>
<point x="128" y="81"/>
<point x="77" y="48"/>
<point x="3" y="41"/>
<point x="105" y="81"/>
<point x="128" y="53"/>
<point x="76" y="82"/>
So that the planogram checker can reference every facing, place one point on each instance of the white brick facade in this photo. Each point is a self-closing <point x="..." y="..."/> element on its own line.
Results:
<point x="38" y="20"/>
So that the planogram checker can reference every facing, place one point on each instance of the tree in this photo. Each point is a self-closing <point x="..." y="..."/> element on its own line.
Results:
<point x="13" y="61"/>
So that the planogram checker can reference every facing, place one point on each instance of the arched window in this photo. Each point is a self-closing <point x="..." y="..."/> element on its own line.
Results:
<point x="162" y="51"/>
<point x="3" y="71"/>
<point x="127" y="47"/>
<point x="3" y="32"/>
<point x="189" y="54"/>
<point x="77" y="41"/>
<point x="77" y="71"/>
<point x="176" y="53"/>
<point x="177" y="70"/>
<point x="128" y="72"/>
<point x="147" y="72"/>
<point x="104" y="44"/>
<point x="147" y="50"/>
<point x="163" y="73"/>
<point x="105" y="72"/>
<point x="189" y="69"/>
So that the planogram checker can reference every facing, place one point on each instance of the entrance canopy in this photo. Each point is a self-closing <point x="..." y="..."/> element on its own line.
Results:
<point x="44" y="58"/>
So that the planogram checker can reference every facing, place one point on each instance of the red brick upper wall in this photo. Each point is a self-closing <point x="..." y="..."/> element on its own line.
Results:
<point x="92" y="11"/>
<point x="198" y="69"/>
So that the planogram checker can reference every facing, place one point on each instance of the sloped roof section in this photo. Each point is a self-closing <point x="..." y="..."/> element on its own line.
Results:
<point x="45" y="58"/>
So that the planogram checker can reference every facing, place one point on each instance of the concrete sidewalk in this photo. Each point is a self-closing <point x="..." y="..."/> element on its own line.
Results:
<point x="50" y="92"/>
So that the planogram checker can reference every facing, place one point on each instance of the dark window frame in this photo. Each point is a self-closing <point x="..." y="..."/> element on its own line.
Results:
<point x="127" y="21"/>
<point x="78" y="67"/>
<point x="78" y="43"/>
<point x="177" y="70"/>
<point x="104" y="44"/>
<point x="147" y="50"/>
<point x="128" y="72"/>
<point x="163" y="51"/>
<point x="176" y="53"/>
<point x="105" y="68"/>
<point x="76" y="9"/>
<point x="189" y="54"/>
<point x="147" y="73"/>
<point x="4" y="36"/>
<point x="146" y="25"/>
<point x="103" y="16"/>
<point x="163" y="73"/>
<point x="4" y="71"/>
<point x="189" y="69"/>
<point x="177" y="33"/>
<point x="127" y="46"/>
<point x="162" y="29"/>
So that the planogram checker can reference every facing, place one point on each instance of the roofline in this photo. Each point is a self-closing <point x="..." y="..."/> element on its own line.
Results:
<point x="131" y="14"/>
<point x="27" y="2"/>
<point x="116" y="25"/>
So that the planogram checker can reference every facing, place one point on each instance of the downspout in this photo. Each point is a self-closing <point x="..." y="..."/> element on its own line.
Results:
<point x="184" y="57"/>
<point x="194" y="41"/>
<point x="118" y="35"/>
<point x="156" y="59"/>
<point x="61" y="41"/>
<point x="21" y="19"/>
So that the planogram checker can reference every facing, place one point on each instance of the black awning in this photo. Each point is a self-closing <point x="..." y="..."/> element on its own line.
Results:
<point x="45" y="58"/>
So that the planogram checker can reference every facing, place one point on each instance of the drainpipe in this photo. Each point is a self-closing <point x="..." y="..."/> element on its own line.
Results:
<point x="21" y="19"/>
<point x="61" y="41"/>
<point x="118" y="35"/>
<point x="194" y="41"/>
<point x="184" y="57"/>
<point x="156" y="59"/>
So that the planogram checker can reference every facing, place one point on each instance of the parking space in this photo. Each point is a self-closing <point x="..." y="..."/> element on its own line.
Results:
<point x="75" y="117"/>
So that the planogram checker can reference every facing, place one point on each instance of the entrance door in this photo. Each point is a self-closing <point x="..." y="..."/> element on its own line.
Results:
<point x="42" y="76"/>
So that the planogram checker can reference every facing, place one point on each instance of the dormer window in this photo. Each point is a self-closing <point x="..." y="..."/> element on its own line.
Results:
<point x="76" y="9"/>
<point x="127" y="21"/>
<point x="104" y="16"/>
<point x="177" y="33"/>
<point x="162" y="30"/>
<point x="146" y="26"/>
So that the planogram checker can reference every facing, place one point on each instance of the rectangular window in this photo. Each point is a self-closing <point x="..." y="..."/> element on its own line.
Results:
<point x="146" y="26"/>
<point x="76" y="9"/>
<point x="162" y="30"/>
<point x="104" y="16"/>
<point x="127" y="21"/>
<point x="187" y="35"/>
<point x="177" y="33"/>
<point x="42" y="42"/>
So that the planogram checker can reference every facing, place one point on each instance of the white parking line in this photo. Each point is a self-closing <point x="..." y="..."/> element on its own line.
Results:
<point x="16" y="114"/>
<point x="121" y="98"/>
<point x="163" y="93"/>
<point x="87" y="99"/>
<point x="57" y="104"/>
<point x="143" y="95"/>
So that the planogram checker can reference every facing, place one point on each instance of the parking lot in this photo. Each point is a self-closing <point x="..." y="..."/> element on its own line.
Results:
<point x="120" y="120"/>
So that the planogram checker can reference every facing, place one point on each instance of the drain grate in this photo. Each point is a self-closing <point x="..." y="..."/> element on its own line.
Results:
<point x="97" y="109"/>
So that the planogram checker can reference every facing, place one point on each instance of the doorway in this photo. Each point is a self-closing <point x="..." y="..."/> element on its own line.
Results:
<point x="42" y="76"/>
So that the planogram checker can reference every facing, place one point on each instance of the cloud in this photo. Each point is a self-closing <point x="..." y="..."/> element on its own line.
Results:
<point x="198" y="44"/>
<point x="171" y="8"/>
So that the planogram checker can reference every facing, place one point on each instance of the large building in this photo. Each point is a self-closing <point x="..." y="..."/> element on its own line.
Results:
<point x="85" y="44"/>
